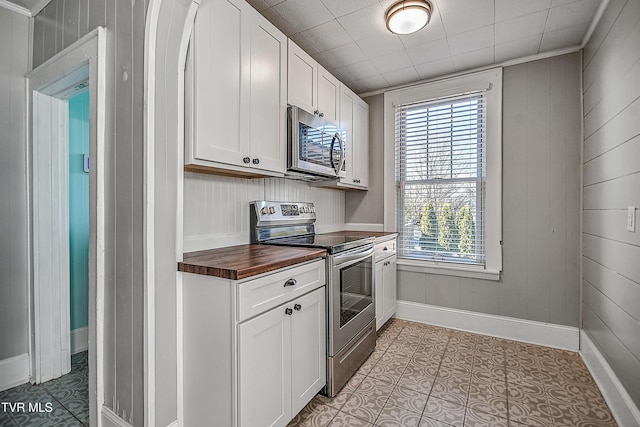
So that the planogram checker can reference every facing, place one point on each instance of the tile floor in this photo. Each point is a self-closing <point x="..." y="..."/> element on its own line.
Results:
<point x="68" y="396"/>
<point x="425" y="376"/>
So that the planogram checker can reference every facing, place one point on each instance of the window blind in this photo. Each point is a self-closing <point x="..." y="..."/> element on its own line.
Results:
<point x="441" y="177"/>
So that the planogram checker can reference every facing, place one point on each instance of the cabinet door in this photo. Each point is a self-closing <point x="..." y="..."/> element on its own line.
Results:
<point x="303" y="78"/>
<point x="220" y="100"/>
<point x="379" y="293"/>
<point x="308" y="348"/>
<point x="389" y="289"/>
<point x="347" y="99"/>
<point x="361" y="142"/>
<point x="264" y="369"/>
<point x="328" y="95"/>
<point x="268" y="95"/>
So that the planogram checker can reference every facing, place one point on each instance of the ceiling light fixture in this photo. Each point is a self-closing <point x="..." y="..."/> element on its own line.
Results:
<point x="408" y="16"/>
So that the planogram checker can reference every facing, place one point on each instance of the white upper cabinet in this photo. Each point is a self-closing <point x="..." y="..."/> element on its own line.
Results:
<point x="328" y="95"/>
<point x="236" y="92"/>
<point x="303" y="78"/>
<point x="354" y="119"/>
<point x="311" y="87"/>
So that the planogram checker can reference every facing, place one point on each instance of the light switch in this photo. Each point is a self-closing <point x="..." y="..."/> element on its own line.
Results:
<point x="631" y="219"/>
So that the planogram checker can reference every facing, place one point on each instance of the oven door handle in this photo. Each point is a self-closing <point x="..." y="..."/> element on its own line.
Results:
<point x="341" y="259"/>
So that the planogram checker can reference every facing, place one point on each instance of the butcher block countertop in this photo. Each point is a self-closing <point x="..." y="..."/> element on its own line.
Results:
<point x="240" y="262"/>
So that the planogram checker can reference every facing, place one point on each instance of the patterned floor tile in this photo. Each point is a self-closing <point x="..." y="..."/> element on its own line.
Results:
<point x="346" y="420"/>
<point x="366" y="407"/>
<point x="476" y="418"/>
<point x="408" y="399"/>
<point x="393" y="416"/>
<point x="314" y="416"/>
<point x="452" y="389"/>
<point x="488" y="403"/>
<point x="444" y="411"/>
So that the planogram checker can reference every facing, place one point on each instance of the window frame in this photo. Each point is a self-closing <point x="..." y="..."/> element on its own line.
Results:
<point x="491" y="82"/>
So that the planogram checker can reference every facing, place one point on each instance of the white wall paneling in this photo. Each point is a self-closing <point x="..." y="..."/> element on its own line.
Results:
<point x="14" y="244"/>
<point x="79" y="340"/>
<point x="611" y="274"/>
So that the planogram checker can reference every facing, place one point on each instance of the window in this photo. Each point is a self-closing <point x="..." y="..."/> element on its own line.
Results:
<point x="444" y="148"/>
<point x="440" y="172"/>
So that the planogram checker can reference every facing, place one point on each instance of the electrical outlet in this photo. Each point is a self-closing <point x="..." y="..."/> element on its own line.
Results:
<point x="631" y="219"/>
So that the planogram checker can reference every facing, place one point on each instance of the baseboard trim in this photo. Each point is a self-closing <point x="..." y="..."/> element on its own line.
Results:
<point x="622" y="407"/>
<point x="79" y="340"/>
<point x="14" y="371"/>
<point x="173" y="424"/>
<point x="111" y="419"/>
<point x="547" y="334"/>
<point x="361" y="226"/>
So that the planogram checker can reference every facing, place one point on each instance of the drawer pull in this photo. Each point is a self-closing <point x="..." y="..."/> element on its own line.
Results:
<point x="290" y="282"/>
<point x="385" y="248"/>
<point x="288" y="311"/>
<point x="297" y="307"/>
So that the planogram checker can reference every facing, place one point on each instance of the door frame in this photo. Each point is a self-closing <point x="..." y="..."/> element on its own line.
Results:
<point x="47" y="86"/>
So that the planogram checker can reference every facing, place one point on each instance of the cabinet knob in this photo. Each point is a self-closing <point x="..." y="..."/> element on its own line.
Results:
<point x="246" y="160"/>
<point x="321" y="114"/>
<point x="385" y="249"/>
<point x="297" y="307"/>
<point x="291" y="282"/>
<point x="256" y="161"/>
<point x="288" y="311"/>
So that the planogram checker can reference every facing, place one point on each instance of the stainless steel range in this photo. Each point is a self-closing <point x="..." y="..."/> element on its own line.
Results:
<point x="350" y="298"/>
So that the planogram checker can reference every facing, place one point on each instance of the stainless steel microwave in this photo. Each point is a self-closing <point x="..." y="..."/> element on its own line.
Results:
<point x="316" y="146"/>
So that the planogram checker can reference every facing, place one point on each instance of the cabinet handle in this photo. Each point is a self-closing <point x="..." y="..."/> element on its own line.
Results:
<point x="246" y="160"/>
<point x="321" y="114"/>
<point x="288" y="311"/>
<point x="256" y="161"/>
<point x="291" y="282"/>
<point x="385" y="248"/>
<point x="297" y="307"/>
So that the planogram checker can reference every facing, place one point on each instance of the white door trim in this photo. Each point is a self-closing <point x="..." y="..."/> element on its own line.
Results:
<point x="84" y="60"/>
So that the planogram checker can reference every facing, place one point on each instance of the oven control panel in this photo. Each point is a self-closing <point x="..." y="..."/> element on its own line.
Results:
<point x="283" y="211"/>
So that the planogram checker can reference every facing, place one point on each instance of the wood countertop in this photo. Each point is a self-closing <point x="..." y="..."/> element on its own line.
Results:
<point x="240" y="262"/>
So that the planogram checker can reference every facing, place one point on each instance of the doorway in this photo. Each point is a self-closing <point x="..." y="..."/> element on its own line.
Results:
<point x="59" y="263"/>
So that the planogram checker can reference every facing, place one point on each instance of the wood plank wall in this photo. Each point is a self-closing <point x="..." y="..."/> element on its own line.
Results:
<point x="58" y="25"/>
<point x="14" y="333"/>
<point x="611" y="271"/>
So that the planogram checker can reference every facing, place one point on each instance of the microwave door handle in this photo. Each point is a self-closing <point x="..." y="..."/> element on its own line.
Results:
<point x="342" y="154"/>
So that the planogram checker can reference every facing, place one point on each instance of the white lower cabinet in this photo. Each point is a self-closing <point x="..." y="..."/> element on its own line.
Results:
<point x="385" y="282"/>
<point x="253" y="351"/>
<point x="282" y="361"/>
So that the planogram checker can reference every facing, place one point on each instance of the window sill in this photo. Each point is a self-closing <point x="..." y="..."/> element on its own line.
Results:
<point x="430" y="267"/>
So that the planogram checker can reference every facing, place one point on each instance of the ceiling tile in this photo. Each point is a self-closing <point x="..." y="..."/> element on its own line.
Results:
<point x="401" y="76"/>
<point x="369" y="83"/>
<point x="435" y="68"/>
<point x="259" y="5"/>
<point x="431" y="51"/>
<point x="472" y="40"/>
<point x="365" y="22"/>
<point x="340" y="56"/>
<point x="508" y="9"/>
<point x="521" y="27"/>
<point x="477" y="58"/>
<point x="355" y="71"/>
<point x="392" y="61"/>
<point x="433" y="31"/>
<point x="323" y="37"/>
<point x="279" y="21"/>
<point x="565" y="37"/>
<point x="572" y="14"/>
<point x="304" y="14"/>
<point x="518" y="48"/>
<point x="341" y="7"/>
<point x="460" y="16"/>
<point x="380" y="44"/>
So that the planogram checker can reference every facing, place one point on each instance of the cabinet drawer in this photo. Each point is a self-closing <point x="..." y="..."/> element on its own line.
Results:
<point x="259" y="295"/>
<point x="384" y="250"/>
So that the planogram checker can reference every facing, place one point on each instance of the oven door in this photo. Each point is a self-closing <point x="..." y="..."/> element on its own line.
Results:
<point x="351" y="303"/>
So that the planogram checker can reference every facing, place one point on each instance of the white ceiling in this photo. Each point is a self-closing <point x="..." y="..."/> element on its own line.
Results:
<point x="350" y="39"/>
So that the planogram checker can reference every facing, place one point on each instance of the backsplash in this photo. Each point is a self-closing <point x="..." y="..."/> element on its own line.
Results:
<point x="216" y="208"/>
